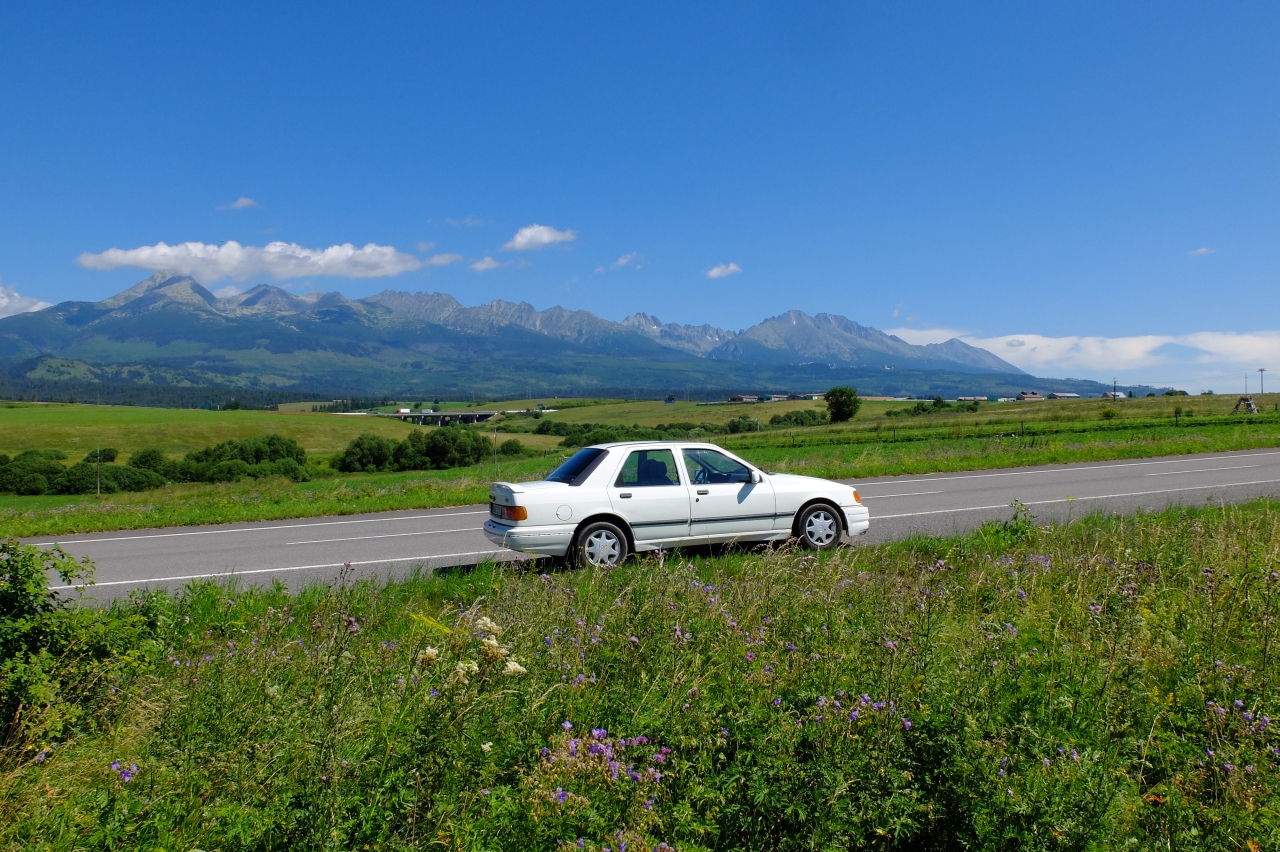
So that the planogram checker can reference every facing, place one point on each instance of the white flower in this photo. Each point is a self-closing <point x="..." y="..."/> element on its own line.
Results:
<point x="514" y="668"/>
<point x="485" y="625"/>
<point x="486" y="747"/>
<point x="428" y="655"/>
<point x="492" y="650"/>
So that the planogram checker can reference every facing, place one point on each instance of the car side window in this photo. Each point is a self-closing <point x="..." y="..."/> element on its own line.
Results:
<point x="645" y="468"/>
<point x="708" y="466"/>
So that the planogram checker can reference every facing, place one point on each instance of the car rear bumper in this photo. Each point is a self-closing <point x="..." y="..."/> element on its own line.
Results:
<point x="544" y="541"/>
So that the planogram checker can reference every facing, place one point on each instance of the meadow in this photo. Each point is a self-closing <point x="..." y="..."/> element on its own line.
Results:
<point x="872" y="444"/>
<point x="1107" y="684"/>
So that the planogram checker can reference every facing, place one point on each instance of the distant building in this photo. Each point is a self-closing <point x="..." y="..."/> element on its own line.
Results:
<point x="737" y="397"/>
<point x="1063" y="395"/>
<point x="1114" y="395"/>
<point x="806" y="396"/>
<point x="971" y="399"/>
<point x="1030" y="396"/>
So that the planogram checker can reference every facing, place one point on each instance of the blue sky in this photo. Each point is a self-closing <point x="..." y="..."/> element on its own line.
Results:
<point x="1086" y="189"/>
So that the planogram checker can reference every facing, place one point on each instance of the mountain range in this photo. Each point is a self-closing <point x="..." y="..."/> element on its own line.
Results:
<point x="169" y="329"/>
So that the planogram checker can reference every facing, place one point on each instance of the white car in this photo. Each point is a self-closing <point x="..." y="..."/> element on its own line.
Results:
<point x="610" y="500"/>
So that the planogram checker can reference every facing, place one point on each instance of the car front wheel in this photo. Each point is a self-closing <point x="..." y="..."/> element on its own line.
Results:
<point x="819" y="528"/>
<point x="600" y="545"/>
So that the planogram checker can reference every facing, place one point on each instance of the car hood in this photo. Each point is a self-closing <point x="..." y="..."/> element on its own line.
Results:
<point x="795" y="482"/>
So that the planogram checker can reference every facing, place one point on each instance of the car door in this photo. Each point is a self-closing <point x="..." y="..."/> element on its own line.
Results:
<point x="648" y="493"/>
<point x="724" y="502"/>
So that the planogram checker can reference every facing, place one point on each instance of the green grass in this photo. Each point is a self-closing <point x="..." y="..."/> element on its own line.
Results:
<point x="77" y="429"/>
<point x="1106" y="684"/>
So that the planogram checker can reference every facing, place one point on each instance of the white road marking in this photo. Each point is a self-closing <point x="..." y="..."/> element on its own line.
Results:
<point x="291" y="568"/>
<point x="912" y="494"/>
<point x="1042" y="471"/>
<point x="255" y="529"/>
<point x="385" y="535"/>
<point x="1202" y="470"/>
<point x="1075" y="499"/>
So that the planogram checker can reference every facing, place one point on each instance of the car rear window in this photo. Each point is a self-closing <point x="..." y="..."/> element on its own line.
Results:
<point x="578" y="466"/>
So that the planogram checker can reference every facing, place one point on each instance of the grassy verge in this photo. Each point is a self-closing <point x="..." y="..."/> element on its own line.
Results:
<point x="1108" y="683"/>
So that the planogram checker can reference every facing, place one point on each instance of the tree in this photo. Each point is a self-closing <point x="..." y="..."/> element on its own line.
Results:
<point x="842" y="404"/>
<point x="368" y="453"/>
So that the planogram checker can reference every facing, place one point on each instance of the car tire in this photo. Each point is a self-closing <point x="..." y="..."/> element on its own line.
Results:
<point x="819" y="527"/>
<point x="599" y="545"/>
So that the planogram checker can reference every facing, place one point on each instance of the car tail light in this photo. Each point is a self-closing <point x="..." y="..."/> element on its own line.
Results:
<point x="509" y="513"/>
<point x="857" y="498"/>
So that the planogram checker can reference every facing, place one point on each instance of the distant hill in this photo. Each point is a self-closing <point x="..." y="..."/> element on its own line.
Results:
<point x="170" y="330"/>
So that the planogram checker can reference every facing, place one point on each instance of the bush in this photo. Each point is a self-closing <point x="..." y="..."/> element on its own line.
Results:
<point x="802" y="417"/>
<point x="30" y="472"/>
<point x="842" y="404"/>
<point x="510" y="447"/>
<point x="231" y="460"/>
<point x="87" y="477"/>
<point x="368" y="453"/>
<point x="1109" y="414"/>
<point x="104" y="455"/>
<point x="156" y="462"/>
<point x="439" y="449"/>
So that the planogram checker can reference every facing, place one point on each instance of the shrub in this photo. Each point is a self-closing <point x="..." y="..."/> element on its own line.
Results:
<point x="30" y="472"/>
<point x="88" y="478"/>
<point x="104" y="455"/>
<point x="230" y="460"/>
<point x="368" y="453"/>
<point x="741" y="423"/>
<point x="802" y="417"/>
<point x="1109" y="414"/>
<point x="842" y="404"/>
<point x="511" y="447"/>
<point x="156" y="462"/>
<point x="443" y="448"/>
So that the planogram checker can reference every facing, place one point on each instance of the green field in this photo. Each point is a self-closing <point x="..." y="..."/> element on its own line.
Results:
<point x="873" y="444"/>
<point x="1107" y="684"/>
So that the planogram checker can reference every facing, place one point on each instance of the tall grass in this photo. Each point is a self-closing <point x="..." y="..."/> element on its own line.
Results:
<point x="1105" y="684"/>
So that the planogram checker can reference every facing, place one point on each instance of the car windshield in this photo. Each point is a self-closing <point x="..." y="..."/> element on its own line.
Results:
<point x="577" y="465"/>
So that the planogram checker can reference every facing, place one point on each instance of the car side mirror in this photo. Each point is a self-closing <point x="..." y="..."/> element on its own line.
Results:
<point x="756" y="477"/>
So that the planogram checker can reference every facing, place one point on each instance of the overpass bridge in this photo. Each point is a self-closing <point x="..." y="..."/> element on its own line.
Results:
<point x="440" y="418"/>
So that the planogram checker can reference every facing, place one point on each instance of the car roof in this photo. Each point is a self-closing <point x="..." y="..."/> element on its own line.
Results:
<point x="659" y="442"/>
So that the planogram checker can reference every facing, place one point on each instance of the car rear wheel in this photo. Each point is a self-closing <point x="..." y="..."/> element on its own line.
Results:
<point x="600" y="545"/>
<point x="819" y="528"/>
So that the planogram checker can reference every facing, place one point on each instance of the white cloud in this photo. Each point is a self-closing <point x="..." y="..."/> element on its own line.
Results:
<point x="240" y="203"/>
<point x="538" y="236"/>
<point x="424" y="247"/>
<point x="12" y="303"/>
<point x="279" y="260"/>
<point x="625" y="259"/>
<point x="228" y="291"/>
<point x="1197" y="360"/>
<point x="1203" y="250"/>
<point x="466" y="222"/>
<point x="443" y="259"/>
<point x="724" y="270"/>
<point x="897" y="309"/>
<point x="485" y="264"/>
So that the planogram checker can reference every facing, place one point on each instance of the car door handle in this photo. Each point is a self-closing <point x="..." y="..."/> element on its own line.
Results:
<point x="625" y="496"/>
<point x="703" y="491"/>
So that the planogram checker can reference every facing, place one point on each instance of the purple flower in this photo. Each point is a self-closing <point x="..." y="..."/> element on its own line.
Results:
<point x="1075" y="755"/>
<point x="853" y="717"/>
<point x="560" y="795"/>
<point x="42" y="756"/>
<point x="115" y="766"/>
<point x="777" y="702"/>
<point x="634" y="641"/>
<point x="567" y="725"/>
<point x="891" y="645"/>
<point x="751" y="656"/>
<point x="1022" y="596"/>
<point x="906" y="724"/>
<point x="724" y="733"/>
<point x="1045" y="761"/>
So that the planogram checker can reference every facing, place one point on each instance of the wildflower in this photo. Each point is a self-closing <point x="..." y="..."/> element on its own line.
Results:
<point x="906" y="724"/>
<point x="853" y="716"/>
<point x="485" y="625"/>
<point x="777" y="702"/>
<point x="634" y="641"/>
<point x="1238" y="704"/>
<point x="567" y="725"/>
<point x="724" y="733"/>
<point x="560" y="795"/>
<point x="1075" y="755"/>
<point x="751" y="656"/>
<point x="42" y="756"/>
<point x="485" y="792"/>
<point x="428" y="655"/>
<point x="464" y="668"/>
<point x="514" y="668"/>
<point x="486" y="747"/>
<point x="1045" y="761"/>
<point x="892" y="645"/>
<point x="353" y="626"/>
<point x="492" y="650"/>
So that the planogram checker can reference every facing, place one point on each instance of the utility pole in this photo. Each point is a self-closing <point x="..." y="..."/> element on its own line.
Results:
<point x="1261" y="386"/>
<point x="1113" y="387"/>
<point x="99" y="471"/>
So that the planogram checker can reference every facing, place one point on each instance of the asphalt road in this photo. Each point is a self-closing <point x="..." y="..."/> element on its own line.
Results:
<point x="314" y="550"/>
